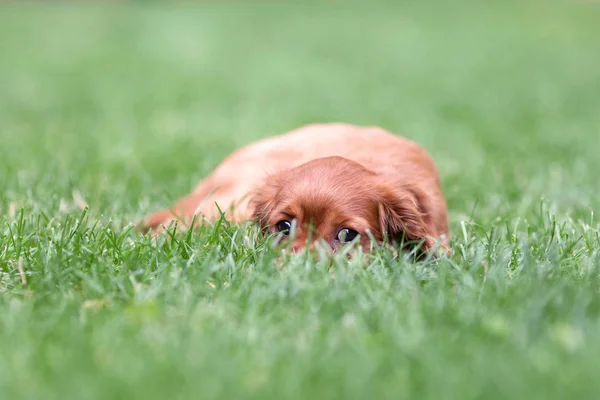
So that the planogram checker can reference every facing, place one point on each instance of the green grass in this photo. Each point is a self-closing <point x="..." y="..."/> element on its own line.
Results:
<point x="129" y="105"/>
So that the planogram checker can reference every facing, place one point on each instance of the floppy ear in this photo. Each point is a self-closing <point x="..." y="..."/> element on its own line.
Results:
<point x="403" y="216"/>
<point x="264" y="200"/>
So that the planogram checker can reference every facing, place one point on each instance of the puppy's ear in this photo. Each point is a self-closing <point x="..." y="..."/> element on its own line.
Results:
<point x="403" y="216"/>
<point x="264" y="200"/>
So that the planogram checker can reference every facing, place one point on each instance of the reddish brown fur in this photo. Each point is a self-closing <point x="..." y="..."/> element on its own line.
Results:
<point x="326" y="177"/>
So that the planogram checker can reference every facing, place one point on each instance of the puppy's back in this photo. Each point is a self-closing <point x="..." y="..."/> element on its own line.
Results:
<point x="397" y="160"/>
<point x="373" y="147"/>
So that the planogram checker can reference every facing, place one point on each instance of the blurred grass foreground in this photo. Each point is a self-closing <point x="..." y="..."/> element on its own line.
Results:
<point x="109" y="110"/>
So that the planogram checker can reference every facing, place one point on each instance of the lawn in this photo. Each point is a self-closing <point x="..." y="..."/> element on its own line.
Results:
<point x="109" y="111"/>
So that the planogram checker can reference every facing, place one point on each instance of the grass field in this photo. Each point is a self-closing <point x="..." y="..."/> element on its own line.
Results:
<point x="124" y="107"/>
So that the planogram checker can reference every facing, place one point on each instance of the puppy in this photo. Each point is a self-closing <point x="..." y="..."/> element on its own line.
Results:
<point x="334" y="183"/>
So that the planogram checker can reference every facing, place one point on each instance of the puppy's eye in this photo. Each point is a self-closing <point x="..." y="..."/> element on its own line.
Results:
<point x="284" y="227"/>
<point x="346" y="235"/>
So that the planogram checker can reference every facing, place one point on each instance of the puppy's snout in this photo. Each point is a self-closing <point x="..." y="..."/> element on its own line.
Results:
<point x="315" y="247"/>
<point x="298" y="247"/>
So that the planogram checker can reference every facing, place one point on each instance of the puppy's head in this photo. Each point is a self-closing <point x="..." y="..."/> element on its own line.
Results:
<point x="336" y="201"/>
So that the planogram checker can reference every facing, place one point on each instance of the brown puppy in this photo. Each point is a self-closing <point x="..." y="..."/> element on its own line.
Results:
<point x="332" y="182"/>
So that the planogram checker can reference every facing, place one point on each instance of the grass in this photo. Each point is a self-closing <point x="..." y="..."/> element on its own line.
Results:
<point x="110" y="111"/>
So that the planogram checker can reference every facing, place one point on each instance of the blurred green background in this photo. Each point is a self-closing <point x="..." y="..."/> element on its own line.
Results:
<point x="129" y="104"/>
<point x="137" y="101"/>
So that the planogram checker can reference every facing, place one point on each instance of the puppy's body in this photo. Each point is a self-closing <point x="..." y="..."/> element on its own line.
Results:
<point x="328" y="165"/>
